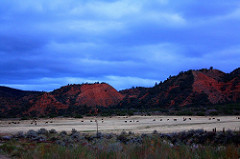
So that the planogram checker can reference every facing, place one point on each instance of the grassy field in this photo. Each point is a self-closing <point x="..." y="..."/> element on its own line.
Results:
<point x="116" y="124"/>
<point x="43" y="144"/>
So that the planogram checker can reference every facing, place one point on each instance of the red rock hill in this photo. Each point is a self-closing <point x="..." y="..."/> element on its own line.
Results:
<point x="193" y="87"/>
<point x="99" y="94"/>
<point x="40" y="103"/>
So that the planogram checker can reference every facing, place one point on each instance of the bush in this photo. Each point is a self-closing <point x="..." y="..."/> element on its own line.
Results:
<point x="130" y="113"/>
<point x="123" y="137"/>
<point x="200" y="114"/>
<point x="213" y="113"/>
<point x="24" y="118"/>
<point x="20" y="134"/>
<point x="63" y="133"/>
<point x="74" y="131"/>
<point x="89" y="114"/>
<point x="52" y="131"/>
<point x="78" y="116"/>
<point x="42" y="131"/>
<point x="52" y="115"/>
<point x="31" y="134"/>
<point x="185" y="112"/>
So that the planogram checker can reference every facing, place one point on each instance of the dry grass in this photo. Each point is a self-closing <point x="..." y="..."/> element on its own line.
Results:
<point x="151" y="148"/>
<point x="137" y="124"/>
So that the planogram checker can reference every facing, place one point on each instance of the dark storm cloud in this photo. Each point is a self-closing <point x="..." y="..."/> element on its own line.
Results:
<point x="46" y="44"/>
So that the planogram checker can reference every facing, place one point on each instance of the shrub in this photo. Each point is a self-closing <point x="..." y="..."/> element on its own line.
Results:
<point x="76" y="136"/>
<point x="130" y="113"/>
<point x="60" y="142"/>
<point x="52" y="131"/>
<point x="74" y="131"/>
<point x="20" y="134"/>
<point x="123" y="137"/>
<point x="200" y="114"/>
<point x="31" y="134"/>
<point x="63" y="133"/>
<point x="41" y="138"/>
<point x="24" y="118"/>
<point x="185" y="112"/>
<point x="213" y="113"/>
<point x="78" y="116"/>
<point x="42" y="131"/>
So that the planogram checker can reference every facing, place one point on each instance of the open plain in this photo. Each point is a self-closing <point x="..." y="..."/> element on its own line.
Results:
<point x="116" y="124"/>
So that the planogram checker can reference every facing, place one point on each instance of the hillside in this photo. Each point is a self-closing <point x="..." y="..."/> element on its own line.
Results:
<point x="64" y="100"/>
<point x="88" y="94"/>
<point x="191" y="88"/>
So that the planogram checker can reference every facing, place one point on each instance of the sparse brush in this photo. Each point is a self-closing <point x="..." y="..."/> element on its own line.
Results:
<point x="31" y="134"/>
<point x="42" y="131"/>
<point x="63" y="133"/>
<point x="192" y="144"/>
<point x="52" y="131"/>
<point x="20" y="134"/>
<point x="74" y="131"/>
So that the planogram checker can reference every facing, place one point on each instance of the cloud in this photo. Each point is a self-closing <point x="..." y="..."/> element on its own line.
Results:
<point x="45" y="44"/>
<point x="118" y="82"/>
<point x="127" y="82"/>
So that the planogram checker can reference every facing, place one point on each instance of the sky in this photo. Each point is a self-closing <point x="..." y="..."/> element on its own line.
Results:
<point x="46" y="44"/>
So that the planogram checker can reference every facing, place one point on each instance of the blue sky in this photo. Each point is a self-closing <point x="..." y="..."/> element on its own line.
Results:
<point x="47" y="44"/>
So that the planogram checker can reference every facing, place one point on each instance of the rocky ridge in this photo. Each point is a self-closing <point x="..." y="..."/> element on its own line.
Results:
<point x="193" y="87"/>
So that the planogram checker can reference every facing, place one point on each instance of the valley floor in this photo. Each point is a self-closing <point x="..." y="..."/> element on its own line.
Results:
<point x="116" y="124"/>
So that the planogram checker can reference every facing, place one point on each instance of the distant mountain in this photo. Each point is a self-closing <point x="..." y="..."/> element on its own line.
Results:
<point x="11" y="92"/>
<point x="190" y="88"/>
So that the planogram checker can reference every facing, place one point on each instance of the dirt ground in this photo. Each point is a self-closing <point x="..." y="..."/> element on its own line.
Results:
<point x="137" y="124"/>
